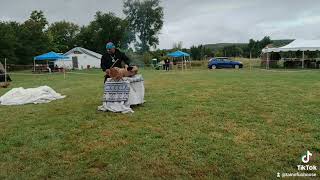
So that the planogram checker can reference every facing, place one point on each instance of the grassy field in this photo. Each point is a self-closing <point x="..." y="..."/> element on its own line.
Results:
<point x="195" y="124"/>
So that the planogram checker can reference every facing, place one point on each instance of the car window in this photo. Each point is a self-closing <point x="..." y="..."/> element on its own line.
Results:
<point x="221" y="59"/>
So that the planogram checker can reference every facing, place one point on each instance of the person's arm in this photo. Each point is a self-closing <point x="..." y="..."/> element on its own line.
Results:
<point x="103" y="63"/>
<point x="125" y="59"/>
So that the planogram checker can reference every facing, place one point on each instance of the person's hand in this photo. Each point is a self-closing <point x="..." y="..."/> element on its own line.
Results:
<point x="107" y="72"/>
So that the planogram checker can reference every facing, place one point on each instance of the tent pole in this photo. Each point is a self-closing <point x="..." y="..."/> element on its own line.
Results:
<point x="34" y="65"/>
<point x="48" y="67"/>
<point x="302" y="59"/>
<point x="184" y="68"/>
<point x="185" y="62"/>
<point x="64" y="71"/>
<point x="182" y="64"/>
<point x="5" y="70"/>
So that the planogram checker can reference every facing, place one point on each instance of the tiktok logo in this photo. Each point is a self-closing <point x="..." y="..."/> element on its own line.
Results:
<point x="306" y="158"/>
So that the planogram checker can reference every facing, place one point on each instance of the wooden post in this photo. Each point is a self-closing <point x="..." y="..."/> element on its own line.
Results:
<point x="64" y="71"/>
<point x="267" y="64"/>
<point x="34" y="65"/>
<point x="302" y="59"/>
<point x="5" y="70"/>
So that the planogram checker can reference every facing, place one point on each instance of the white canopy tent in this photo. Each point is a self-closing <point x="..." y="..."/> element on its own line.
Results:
<point x="296" y="45"/>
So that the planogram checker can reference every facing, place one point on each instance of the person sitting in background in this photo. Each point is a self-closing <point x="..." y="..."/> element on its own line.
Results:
<point x="56" y="68"/>
<point x="3" y="77"/>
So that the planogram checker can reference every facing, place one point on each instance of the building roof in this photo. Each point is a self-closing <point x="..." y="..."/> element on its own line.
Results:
<point x="84" y="51"/>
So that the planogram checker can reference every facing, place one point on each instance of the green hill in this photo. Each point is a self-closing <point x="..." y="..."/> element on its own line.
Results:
<point x="281" y="42"/>
<point x="222" y="45"/>
<point x="276" y="43"/>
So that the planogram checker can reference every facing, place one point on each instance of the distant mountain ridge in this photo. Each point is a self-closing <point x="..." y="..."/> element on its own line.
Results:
<point x="222" y="45"/>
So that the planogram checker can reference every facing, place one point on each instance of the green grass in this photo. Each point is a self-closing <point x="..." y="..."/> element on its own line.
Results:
<point x="195" y="124"/>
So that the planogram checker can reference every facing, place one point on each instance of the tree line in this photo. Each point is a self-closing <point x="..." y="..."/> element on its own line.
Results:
<point x="138" y="31"/>
<point x="252" y="49"/>
<point x="248" y="50"/>
<point x="20" y="42"/>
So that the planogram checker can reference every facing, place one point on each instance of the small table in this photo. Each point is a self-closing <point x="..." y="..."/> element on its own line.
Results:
<point x="135" y="95"/>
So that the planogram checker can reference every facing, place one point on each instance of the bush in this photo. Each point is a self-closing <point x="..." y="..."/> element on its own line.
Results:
<point x="147" y="58"/>
<point x="198" y="63"/>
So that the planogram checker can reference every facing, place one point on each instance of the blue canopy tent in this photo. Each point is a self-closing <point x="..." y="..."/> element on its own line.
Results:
<point x="47" y="56"/>
<point x="180" y="54"/>
<point x="50" y="56"/>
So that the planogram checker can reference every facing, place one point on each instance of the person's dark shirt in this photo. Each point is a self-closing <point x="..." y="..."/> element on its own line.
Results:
<point x="166" y="61"/>
<point x="2" y="76"/>
<point x="107" y="60"/>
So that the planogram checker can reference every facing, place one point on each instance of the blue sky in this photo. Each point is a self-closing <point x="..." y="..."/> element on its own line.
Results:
<point x="192" y="22"/>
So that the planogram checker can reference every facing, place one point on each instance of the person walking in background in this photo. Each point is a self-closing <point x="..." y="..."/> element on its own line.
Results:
<point x="167" y="64"/>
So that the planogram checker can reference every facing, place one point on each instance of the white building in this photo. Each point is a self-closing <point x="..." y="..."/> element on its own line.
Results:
<point x="79" y="58"/>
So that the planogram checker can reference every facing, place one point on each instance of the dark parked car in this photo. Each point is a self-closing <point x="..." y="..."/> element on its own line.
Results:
<point x="223" y="62"/>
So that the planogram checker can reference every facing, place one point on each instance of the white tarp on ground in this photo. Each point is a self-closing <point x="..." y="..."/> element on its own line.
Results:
<point x="296" y="45"/>
<point x="19" y="96"/>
